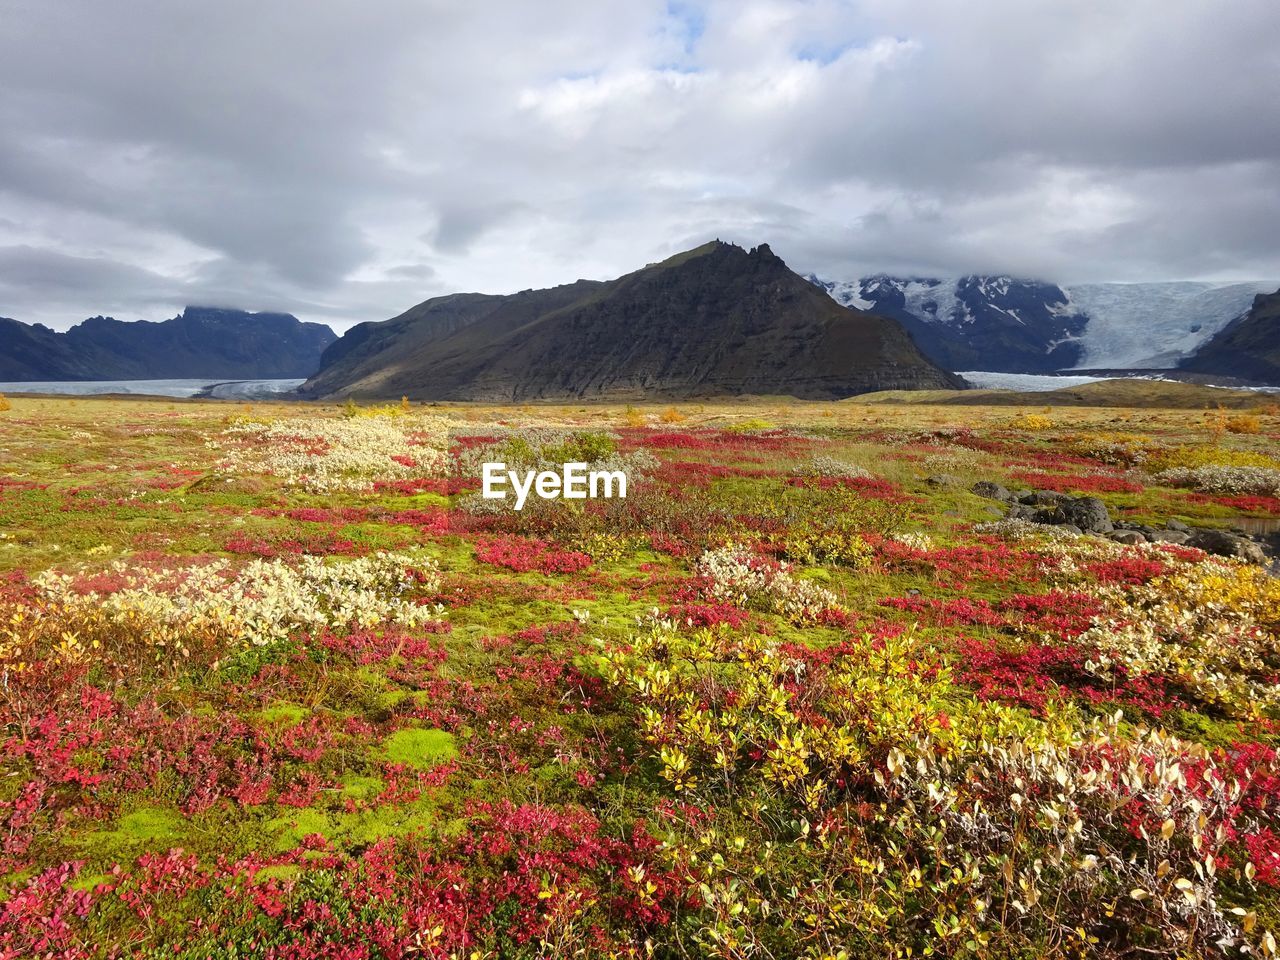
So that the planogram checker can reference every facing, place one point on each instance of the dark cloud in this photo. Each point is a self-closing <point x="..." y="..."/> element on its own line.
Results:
<point x="346" y="159"/>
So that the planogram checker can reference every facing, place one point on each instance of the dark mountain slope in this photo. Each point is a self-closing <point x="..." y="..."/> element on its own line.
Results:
<point x="1248" y="347"/>
<point x="715" y="320"/>
<point x="374" y="351"/>
<point x="201" y="342"/>
<point x="35" y="353"/>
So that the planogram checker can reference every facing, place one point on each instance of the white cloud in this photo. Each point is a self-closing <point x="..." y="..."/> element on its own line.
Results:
<point x="346" y="159"/>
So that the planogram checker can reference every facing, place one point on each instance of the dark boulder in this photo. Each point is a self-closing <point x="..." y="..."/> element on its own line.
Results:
<point x="1088" y="513"/>
<point x="1224" y="544"/>
<point x="1127" y="537"/>
<point x="1043" y="498"/>
<point x="992" y="491"/>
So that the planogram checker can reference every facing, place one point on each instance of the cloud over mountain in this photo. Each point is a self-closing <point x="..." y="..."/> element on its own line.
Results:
<point x="344" y="159"/>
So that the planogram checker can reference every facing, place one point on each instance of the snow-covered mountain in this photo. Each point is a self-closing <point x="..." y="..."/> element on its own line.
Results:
<point x="1013" y="325"/>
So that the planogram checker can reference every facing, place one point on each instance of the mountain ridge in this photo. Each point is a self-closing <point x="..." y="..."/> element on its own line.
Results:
<point x="199" y="342"/>
<point x="713" y="320"/>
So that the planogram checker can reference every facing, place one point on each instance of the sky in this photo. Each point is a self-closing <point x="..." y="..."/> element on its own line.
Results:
<point x="343" y="160"/>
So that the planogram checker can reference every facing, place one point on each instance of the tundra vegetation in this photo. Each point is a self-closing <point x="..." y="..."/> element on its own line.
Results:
<point x="276" y="681"/>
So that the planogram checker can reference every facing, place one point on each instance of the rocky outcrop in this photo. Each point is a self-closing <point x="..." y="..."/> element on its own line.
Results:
<point x="1089" y="515"/>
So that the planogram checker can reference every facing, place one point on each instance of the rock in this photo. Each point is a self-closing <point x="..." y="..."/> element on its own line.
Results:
<point x="1071" y="528"/>
<point x="1018" y="512"/>
<point x="942" y="480"/>
<point x="1043" y="498"/>
<point x="1169" y="536"/>
<point x="1224" y="544"/>
<point x="992" y="491"/>
<point x="1127" y="536"/>
<point x="1088" y="513"/>
<point x="1022" y="495"/>
<point x="1178" y="525"/>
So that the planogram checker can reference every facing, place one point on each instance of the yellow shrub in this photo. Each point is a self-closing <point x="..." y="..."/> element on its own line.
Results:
<point x="672" y="415"/>
<point x="632" y="417"/>
<point x="749" y="426"/>
<point x="1206" y="456"/>
<point x="1244" y="423"/>
<point x="4" y="402"/>
<point x="837" y="546"/>
<point x="1032" y="421"/>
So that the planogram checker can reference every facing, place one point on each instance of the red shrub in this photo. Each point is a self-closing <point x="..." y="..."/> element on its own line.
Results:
<point x="525" y="555"/>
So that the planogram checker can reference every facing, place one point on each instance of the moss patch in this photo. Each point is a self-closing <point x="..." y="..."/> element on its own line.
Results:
<point x="420" y="749"/>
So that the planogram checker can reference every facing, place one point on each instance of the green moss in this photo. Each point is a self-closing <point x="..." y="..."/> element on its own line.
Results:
<point x="279" y="871"/>
<point x="144" y="827"/>
<point x="361" y="788"/>
<point x="282" y="714"/>
<point x="87" y="881"/>
<point x="418" y="748"/>
<point x="289" y="830"/>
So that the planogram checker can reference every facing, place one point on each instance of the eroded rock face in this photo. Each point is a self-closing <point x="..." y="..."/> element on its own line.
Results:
<point x="1224" y="544"/>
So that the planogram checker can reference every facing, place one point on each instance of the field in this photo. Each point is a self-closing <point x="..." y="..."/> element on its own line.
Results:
<point x="276" y="682"/>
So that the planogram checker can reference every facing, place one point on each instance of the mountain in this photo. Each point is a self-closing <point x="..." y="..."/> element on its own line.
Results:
<point x="1247" y="347"/>
<point x="200" y="342"/>
<point x="714" y="320"/>
<point x="976" y="323"/>
<point x="1009" y="325"/>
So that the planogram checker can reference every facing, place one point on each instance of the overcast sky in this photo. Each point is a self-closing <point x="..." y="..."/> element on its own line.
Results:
<point x="345" y="160"/>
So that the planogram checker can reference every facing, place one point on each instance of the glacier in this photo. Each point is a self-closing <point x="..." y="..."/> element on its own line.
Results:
<point x="1155" y="324"/>
<point x="1113" y="325"/>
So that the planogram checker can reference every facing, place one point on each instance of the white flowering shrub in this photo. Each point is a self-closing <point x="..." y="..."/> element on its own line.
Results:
<point x="1016" y="529"/>
<point x="735" y="575"/>
<point x="1259" y="481"/>
<point x="824" y="466"/>
<point x="914" y="539"/>
<point x="256" y="604"/>
<point x="324" y="454"/>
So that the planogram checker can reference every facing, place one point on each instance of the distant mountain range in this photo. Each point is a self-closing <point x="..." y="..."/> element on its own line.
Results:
<point x="714" y="320"/>
<point x="1011" y="325"/>
<point x="200" y="342"/>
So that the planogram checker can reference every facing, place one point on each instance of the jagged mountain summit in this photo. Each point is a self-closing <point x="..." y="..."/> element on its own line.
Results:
<point x="199" y="342"/>
<point x="1248" y="347"/>
<point x="715" y="320"/>
<point x="1012" y="325"/>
